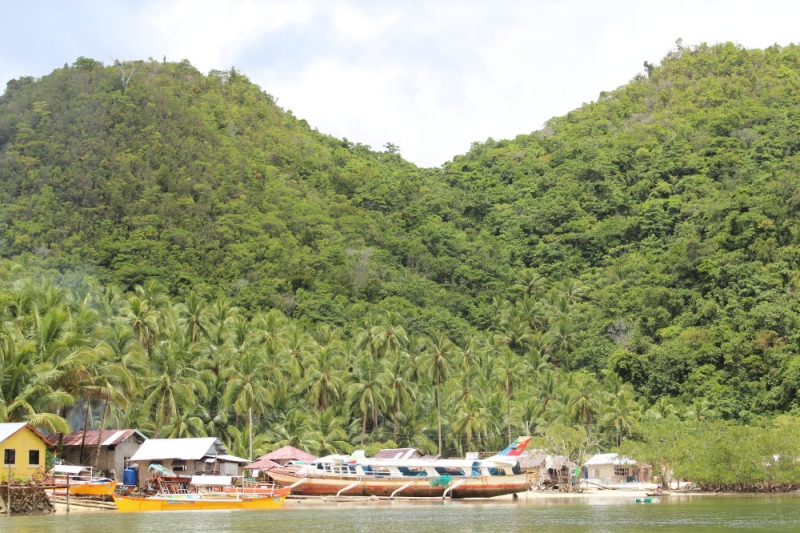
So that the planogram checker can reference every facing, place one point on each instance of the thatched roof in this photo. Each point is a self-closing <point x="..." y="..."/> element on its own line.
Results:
<point x="289" y="453"/>
<point x="534" y="460"/>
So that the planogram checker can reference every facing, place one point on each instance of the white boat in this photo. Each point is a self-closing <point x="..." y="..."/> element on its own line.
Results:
<point x="406" y="473"/>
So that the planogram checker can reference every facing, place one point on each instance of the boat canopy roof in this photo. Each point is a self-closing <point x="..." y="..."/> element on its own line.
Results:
<point x="432" y="463"/>
<point x="212" y="481"/>
<point x="70" y="469"/>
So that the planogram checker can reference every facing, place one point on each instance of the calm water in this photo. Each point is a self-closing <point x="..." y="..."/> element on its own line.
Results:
<point x="685" y="514"/>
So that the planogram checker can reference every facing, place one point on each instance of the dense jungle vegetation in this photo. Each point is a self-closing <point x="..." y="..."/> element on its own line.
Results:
<point x="180" y="250"/>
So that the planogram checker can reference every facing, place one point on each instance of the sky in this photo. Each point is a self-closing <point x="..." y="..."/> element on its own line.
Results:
<point x="430" y="77"/>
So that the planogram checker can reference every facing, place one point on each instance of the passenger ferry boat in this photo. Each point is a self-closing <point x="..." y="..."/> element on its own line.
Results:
<point x="406" y="473"/>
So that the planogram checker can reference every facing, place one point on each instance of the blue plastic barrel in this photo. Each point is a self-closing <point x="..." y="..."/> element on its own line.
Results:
<point x="130" y="477"/>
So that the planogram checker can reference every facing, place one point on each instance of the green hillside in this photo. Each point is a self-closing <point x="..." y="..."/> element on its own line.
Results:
<point x="202" y="181"/>
<point x="635" y="259"/>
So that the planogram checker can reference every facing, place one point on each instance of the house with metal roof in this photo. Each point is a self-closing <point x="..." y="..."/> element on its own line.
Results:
<point x="614" y="468"/>
<point x="117" y="446"/>
<point x="22" y="449"/>
<point x="186" y="457"/>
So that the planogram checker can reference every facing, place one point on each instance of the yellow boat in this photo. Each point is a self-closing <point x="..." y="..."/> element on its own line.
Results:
<point x="93" y="488"/>
<point x="81" y="481"/>
<point x="199" y="502"/>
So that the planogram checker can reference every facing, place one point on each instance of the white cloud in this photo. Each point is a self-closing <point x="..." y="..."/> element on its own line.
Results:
<point x="212" y="34"/>
<point x="431" y="77"/>
<point x="358" y="25"/>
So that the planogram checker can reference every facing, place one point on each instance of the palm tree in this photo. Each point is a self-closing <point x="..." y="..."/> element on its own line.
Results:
<point x="508" y="370"/>
<point x="324" y="381"/>
<point x="663" y="408"/>
<point x="586" y="399"/>
<point x="572" y="290"/>
<point x="289" y="430"/>
<point x="401" y="391"/>
<point x="622" y="413"/>
<point x="219" y="316"/>
<point x="435" y="363"/>
<point x="173" y="382"/>
<point x="700" y="410"/>
<point x="367" y="394"/>
<point x="112" y="380"/>
<point x="470" y="420"/>
<point x="143" y="321"/>
<point x="516" y="334"/>
<point x="389" y="336"/>
<point x="194" y="317"/>
<point x="184" y="423"/>
<point x="294" y="344"/>
<point x="245" y="384"/>
<point x="326" y="429"/>
<point x="530" y="282"/>
<point x="26" y="387"/>
<point x="564" y="336"/>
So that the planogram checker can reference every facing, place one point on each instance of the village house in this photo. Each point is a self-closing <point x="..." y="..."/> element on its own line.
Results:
<point x="117" y="446"/>
<point x="186" y="457"/>
<point x="611" y="468"/>
<point x="23" y="450"/>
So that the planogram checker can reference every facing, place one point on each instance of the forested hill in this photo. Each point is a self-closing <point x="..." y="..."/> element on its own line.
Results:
<point x="204" y="182"/>
<point x="653" y="232"/>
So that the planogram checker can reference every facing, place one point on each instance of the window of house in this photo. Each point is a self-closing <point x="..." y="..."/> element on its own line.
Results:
<point x="10" y="457"/>
<point x="33" y="457"/>
<point x="620" y="471"/>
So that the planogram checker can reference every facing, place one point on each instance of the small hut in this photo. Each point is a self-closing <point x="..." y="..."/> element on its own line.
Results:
<point x="549" y="469"/>
<point x="257" y="468"/>
<point x="288" y="453"/>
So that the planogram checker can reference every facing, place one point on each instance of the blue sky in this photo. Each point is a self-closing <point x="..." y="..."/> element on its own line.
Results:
<point x="431" y="77"/>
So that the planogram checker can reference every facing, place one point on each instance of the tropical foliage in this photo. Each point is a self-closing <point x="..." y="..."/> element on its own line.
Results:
<point x="182" y="252"/>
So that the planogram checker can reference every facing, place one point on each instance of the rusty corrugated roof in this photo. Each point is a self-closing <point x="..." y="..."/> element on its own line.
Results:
<point x="108" y="437"/>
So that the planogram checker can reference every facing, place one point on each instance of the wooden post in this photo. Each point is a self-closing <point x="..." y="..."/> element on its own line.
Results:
<point x="68" y="480"/>
<point x="8" y="486"/>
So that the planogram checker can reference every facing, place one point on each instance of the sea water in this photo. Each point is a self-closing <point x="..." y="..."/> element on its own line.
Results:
<point x="595" y="514"/>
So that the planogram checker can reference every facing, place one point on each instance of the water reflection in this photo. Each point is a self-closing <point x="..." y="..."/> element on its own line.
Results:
<point x="596" y="514"/>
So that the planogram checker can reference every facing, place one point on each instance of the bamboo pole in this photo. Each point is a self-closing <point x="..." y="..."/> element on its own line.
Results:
<point x="8" y="486"/>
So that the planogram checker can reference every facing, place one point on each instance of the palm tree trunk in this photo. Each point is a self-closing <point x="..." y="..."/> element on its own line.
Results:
<point x="85" y="426"/>
<point x="394" y="417"/>
<point x="363" y="426"/>
<point x="439" y="413"/>
<point x="100" y="437"/>
<point x="509" y="418"/>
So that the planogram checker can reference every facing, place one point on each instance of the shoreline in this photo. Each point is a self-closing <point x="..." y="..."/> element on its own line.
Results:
<point x="595" y="496"/>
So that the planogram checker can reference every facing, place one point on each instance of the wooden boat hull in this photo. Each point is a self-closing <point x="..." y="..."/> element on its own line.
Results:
<point x="93" y="489"/>
<point x="478" y="487"/>
<point x="195" y="502"/>
<point x="264" y="491"/>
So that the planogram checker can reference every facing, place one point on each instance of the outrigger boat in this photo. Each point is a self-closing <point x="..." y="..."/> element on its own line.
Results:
<point x="81" y="481"/>
<point x="405" y="473"/>
<point x="210" y="493"/>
